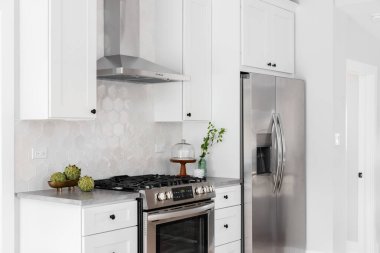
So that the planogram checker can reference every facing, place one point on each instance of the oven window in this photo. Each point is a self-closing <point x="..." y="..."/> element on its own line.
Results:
<point x="183" y="236"/>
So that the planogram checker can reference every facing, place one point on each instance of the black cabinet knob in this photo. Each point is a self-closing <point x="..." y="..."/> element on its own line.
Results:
<point x="112" y="217"/>
<point x="93" y="111"/>
<point x="269" y="64"/>
<point x="274" y="65"/>
<point x="225" y="196"/>
<point x="360" y="174"/>
<point x="188" y="115"/>
<point x="226" y="225"/>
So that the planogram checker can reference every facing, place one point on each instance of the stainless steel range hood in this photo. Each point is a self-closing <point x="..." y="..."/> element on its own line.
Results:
<point x="116" y="66"/>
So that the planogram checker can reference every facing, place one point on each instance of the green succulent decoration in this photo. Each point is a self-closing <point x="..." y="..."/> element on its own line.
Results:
<point x="86" y="184"/>
<point x="72" y="172"/>
<point x="58" y="177"/>
<point x="213" y="134"/>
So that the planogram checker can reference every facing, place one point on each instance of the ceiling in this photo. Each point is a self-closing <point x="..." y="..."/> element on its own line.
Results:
<point x="361" y="11"/>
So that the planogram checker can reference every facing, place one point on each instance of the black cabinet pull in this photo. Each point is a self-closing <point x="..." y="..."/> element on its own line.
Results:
<point x="225" y="196"/>
<point x="93" y="111"/>
<point x="274" y="65"/>
<point x="269" y="64"/>
<point x="112" y="217"/>
<point x="360" y="174"/>
<point x="226" y="225"/>
<point x="188" y="115"/>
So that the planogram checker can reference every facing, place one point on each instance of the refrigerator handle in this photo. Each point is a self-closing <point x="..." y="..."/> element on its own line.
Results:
<point x="276" y="143"/>
<point x="283" y="153"/>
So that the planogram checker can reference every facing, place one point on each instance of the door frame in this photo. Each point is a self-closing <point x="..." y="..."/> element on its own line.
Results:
<point x="367" y="76"/>
<point x="7" y="104"/>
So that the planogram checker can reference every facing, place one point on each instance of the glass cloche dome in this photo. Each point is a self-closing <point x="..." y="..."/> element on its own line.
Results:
<point x="183" y="151"/>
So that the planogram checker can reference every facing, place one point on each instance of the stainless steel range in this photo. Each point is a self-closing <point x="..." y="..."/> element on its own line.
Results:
<point x="176" y="213"/>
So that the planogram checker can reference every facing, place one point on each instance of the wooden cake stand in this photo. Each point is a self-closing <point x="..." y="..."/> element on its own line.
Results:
<point x="183" y="162"/>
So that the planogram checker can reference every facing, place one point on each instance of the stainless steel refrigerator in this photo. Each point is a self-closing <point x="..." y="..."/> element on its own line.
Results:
<point x="273" y="164"/>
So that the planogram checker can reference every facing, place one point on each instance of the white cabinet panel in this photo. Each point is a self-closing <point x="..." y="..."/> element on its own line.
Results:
<point x="58" y="64"/>
<point x="283" y="39"/>
<point x="73" y="58"/>
<point x="227" y="225"/>
<point x="267" y="36"/>
<point x="255" y="34"/>
<point x="197" y="60"/>
<point x="233" y="247"/>
<point x="183" y="43"/>
<point x="118" y="241"/>
<point x="109" y="217"/>
<point x="168" y="26"/>
<point x="227" y="196"/>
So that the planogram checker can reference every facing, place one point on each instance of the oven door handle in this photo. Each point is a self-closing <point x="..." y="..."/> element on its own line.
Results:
<point x="177" y="214"/>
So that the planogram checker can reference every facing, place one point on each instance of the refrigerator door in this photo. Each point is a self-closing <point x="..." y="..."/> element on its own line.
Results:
<point x="291" y="195"/>
<point x="259" y="152"/>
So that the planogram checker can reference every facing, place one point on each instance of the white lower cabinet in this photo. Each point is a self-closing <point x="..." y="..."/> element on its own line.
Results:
<point x="118" y="241"/>
<point x="233" y="247"/>
<point x="109" y="217"/>
<point x="47" y="227"/>
<point x="227" y="196"/>
<point x="227" y="225"/>
<point x="228" y="219"/>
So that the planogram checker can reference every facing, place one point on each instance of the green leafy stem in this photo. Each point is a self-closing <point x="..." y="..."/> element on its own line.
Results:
<point x="213" y="134"/>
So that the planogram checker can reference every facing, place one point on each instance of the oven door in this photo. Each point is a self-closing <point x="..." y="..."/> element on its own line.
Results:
<point x="184" y="229"/>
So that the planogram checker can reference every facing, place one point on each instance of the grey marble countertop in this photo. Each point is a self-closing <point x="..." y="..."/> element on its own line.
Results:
<point x="98" y="197"/>
<point x="223" y="182"/>
<point x="77" y="197"/>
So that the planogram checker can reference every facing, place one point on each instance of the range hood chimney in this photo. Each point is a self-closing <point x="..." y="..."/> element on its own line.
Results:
<point x="117" y="66"/>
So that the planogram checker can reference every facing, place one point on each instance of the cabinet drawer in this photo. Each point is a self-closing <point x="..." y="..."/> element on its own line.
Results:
<point x="120" y="241"/>
<point x="109" y="217"/>
<point x="227" y="225"/>
<point x="233" y="247"/>
<point x="227" y="196"/>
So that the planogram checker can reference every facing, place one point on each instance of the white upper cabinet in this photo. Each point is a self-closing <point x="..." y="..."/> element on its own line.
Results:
<point x="168" y="43"/>
<point x="255" y="36"/>
<point x="58" y="59"/>
<point x="197" y="56"/>
<point x="283" y="39"/>
<point x="267" y="36"/>
<point x="183" y="35"/>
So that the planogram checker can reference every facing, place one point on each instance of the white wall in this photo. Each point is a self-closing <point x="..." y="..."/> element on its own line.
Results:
<point x="314" y="63"/>
<point x="350" y="42"/>
<point x="6" y="126"/>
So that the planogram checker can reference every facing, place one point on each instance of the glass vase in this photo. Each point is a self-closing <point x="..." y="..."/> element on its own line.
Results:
<point x="202" y="165"/>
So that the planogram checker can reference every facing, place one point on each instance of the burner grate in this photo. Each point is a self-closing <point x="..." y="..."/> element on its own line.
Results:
<point x="137" y="183"/>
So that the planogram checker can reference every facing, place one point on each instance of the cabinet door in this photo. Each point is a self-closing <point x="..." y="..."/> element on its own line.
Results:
<point x="227" y="225"/>
<point x="227" y="196"/>
<point x="256" y="34"/>
<point x="72" y="56"/>
<point x="282" y="26"/>
<point x="118" y="241"/>
<point x="197" y="59"/>
<point x="167" y="97"/>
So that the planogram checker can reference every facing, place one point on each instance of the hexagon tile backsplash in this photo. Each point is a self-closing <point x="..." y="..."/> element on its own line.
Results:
<point x="120" y="141"/>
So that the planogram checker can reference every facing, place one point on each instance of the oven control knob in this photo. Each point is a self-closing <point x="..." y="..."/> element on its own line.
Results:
<point x="199" y="190"/>
<point x="206" y="189"/>
<point x="212" y="189"/>
<point x="161" y="196"/>
<point x="169" y="195"/>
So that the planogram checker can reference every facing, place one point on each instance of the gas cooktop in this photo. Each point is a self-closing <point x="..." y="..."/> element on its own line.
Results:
<point x="137" y="183"/>
<point x="159" y="191"/>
